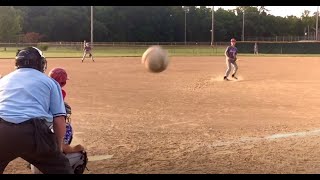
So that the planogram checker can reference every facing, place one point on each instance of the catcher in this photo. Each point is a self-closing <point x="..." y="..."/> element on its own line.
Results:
<point x="231" y="58"/>
<point x="87" y="50"/>
<point x="76" y="154"/>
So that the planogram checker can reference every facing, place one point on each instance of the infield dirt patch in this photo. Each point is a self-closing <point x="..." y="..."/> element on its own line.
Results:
<point x="188" y="120"/>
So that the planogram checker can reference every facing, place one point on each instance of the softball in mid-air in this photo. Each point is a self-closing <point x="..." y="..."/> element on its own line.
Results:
<point x="155" y="59"/>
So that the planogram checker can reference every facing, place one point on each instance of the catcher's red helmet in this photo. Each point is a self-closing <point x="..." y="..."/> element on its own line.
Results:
<point x="233" y="40"/>
<point x="60" y="75"/>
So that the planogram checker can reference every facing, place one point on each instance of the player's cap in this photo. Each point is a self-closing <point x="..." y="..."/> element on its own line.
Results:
<point x="233" y="40"/>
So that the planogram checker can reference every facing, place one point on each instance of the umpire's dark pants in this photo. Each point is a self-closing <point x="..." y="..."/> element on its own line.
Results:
<point x="34" y="142"/>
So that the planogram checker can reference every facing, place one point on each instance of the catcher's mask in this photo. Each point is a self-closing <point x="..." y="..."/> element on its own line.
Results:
<point x="68" y="110"/>
<point x="31" y="57"/>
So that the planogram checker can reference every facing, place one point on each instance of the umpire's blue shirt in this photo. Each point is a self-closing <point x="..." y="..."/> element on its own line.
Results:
<point x="27" y="93"/>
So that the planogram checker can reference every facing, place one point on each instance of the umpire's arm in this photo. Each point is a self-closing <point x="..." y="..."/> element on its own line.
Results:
<point x="58" y="111"/>
<point x="59" y="128"/>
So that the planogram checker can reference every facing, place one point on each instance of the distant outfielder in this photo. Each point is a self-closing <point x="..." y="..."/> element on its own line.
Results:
<point x="231" y="58"/>
<point x="87" y="50"/>
<point x="255" y="48"/>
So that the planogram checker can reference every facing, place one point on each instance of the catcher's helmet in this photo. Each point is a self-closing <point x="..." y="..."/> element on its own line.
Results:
<point x="60" y="75"/>
<point x="31" y="57"/>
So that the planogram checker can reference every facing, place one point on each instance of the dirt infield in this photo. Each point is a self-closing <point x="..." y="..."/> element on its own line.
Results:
<point x="187" y="120"/>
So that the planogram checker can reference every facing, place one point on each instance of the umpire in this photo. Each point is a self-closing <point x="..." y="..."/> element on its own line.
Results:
<point x="30" y="105"/>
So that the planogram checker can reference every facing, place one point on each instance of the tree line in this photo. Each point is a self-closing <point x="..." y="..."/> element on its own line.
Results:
<point x="145" y="23"/>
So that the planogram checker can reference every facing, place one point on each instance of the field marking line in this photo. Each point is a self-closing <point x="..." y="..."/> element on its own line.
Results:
<point x="269" y="138"/>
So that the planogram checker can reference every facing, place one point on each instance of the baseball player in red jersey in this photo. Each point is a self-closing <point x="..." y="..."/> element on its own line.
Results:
<point x="87" y="50"/>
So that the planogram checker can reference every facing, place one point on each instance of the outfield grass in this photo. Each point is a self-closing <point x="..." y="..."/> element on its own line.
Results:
<point x="119" y="51"/>
<point x="136" y="51"/>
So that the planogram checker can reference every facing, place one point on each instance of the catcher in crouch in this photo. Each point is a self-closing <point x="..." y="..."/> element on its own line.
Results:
<point x="87" y="50"/>
<point x="76" y="155"/>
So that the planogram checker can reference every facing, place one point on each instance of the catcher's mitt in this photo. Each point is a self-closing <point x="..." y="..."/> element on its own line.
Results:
<point x="78" y="161"/>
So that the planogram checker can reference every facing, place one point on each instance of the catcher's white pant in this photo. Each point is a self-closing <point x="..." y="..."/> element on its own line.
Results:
<point x="234" y="64"/>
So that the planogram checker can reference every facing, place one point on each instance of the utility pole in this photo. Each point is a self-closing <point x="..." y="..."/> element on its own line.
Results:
<point x="186" y="10"/>
<point x="317" y="23"/>
<point x="243" y="26"/>
<point x="212" y="27"/>
<point x="308" y="33"/>
<point x="91" y="25"/>
<point x="185" y="27"/>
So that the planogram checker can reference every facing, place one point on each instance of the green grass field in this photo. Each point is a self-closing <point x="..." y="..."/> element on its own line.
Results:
<point x="133" y="51"/>
<point x="118" y="51"/>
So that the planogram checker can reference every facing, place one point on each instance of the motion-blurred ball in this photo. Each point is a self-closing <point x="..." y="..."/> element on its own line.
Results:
<point x="155" y="59"/>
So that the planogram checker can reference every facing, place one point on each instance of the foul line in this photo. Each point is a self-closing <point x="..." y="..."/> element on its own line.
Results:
<point x="270" y="138"/>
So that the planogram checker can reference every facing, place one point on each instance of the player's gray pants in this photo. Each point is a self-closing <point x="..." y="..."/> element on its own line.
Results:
<point x="85" y="54"/>
<point x="234" y="64"/>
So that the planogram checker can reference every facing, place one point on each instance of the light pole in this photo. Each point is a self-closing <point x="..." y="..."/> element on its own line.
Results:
<point x="186" y="10"/>
<point x="91" y="25"/>
<point x="308" y="33"/>
<point x="317" y="14"/>
<point x="212" y="26"/>
<point x="242" y="39"/>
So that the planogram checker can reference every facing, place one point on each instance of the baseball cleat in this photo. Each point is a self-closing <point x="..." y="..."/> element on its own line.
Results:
<point x="233" y="76"/>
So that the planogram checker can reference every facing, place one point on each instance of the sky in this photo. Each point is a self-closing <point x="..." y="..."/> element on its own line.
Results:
<point x="282" y="10"/>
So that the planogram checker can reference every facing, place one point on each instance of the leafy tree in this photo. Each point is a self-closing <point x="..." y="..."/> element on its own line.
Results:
<point x="10" y="23"/>
<point x="151" y="23"/>
<point x="32" y="37"/>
